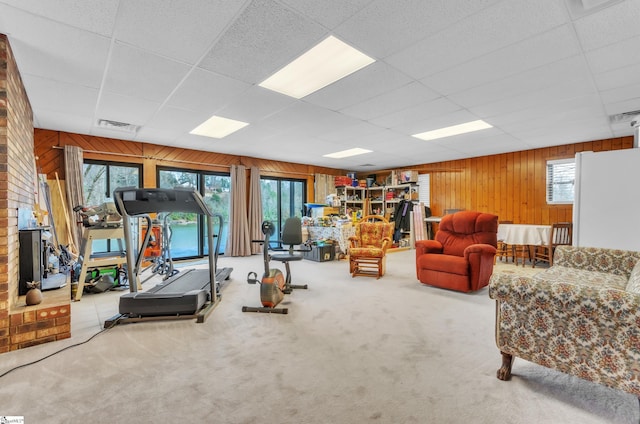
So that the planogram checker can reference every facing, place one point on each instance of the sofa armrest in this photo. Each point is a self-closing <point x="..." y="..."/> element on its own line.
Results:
<point x="605" y="305"/>
<point x="479" y="249"/>
<point x="428" y="246"/>
<point x="613" y="261"/>
<point x="580" y="329"/>
<point x="480" y="258"/>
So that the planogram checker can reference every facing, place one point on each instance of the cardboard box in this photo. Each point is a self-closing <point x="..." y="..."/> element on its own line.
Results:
<point x="324" y="211"/>
<point x="322" y="253"/>
<point x="408" y="177"/>
<point x="342" y="181"/>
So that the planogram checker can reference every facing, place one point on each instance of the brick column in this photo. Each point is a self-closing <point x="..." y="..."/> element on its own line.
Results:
<point x="20" y="325"/>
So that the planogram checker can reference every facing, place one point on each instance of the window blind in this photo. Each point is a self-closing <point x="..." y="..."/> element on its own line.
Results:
<point x="423" y="189"/>
<point x="561" y="177"/>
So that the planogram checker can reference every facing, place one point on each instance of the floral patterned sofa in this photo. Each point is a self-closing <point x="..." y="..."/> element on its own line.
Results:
<point x="581" y="316"/>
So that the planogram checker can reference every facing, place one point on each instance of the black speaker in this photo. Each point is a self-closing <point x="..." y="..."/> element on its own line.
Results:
<point x="31" y="258"/>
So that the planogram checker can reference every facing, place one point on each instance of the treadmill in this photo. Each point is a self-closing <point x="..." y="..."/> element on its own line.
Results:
<point x="190" y="294"/>
<point x="221" y="273"/>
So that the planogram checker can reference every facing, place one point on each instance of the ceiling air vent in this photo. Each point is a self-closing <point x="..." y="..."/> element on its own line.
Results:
<point x="118" y="126"/>
<point x="624" y="117"/>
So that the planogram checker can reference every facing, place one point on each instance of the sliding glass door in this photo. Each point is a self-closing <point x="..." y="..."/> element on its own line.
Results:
<point x="188" y="239"/>
<point x="282" y="198"/>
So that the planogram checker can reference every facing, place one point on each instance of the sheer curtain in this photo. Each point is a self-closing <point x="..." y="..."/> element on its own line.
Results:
<point x="255" y="210"/>
<point x="238" y="241"/>
<point x="73" y="159"/>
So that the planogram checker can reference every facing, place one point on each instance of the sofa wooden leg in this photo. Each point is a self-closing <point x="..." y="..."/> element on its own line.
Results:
<point x="504" y="373"/>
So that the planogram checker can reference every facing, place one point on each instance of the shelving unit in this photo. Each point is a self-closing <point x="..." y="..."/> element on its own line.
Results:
<point x="351" y="199"/>
<point x="376" y="197"/>
<point x="379" y="200"/>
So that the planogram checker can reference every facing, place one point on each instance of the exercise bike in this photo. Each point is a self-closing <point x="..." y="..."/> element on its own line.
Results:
<point x="274" y="284"/>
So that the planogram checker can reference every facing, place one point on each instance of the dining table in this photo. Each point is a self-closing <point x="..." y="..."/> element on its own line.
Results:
<point x="522" y="236"/>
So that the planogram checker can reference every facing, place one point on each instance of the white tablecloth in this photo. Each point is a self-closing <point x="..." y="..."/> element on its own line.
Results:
<point x="524" y="234"/>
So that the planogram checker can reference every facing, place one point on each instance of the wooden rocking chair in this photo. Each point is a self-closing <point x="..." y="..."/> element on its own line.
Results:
<point x="368" y="247"/>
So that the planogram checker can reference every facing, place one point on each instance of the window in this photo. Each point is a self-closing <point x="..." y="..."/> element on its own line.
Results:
<point x="188" y="237"/>
<point x="561" y="177"/>
<point x="100" y="179"/>
<point x="424" y="189"/>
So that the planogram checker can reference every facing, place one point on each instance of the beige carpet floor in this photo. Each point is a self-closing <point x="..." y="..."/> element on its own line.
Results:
<point x="351" y="350"/>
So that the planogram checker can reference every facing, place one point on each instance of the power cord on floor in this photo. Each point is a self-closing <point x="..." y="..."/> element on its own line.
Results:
<point x="63" y="349"/>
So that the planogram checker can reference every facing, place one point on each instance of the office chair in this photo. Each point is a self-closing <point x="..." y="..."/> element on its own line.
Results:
<point x="291" y="236"/>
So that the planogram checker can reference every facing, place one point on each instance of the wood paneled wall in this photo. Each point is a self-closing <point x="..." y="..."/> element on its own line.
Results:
<point x="510" y="185"/>
<point x="48" y="146"/>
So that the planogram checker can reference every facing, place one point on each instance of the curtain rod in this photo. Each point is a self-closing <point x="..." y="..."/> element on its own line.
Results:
<point x="179" y="161"/>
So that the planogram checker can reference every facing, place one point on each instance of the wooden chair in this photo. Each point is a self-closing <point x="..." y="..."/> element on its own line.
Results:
<point x="561" y="234"/>
<point x="504" y="250"/>
<point x="368" y="247"/>
<point x="521" y="251"/>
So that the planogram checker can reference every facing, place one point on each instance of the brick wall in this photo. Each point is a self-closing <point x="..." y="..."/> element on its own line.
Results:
<point x="20" y="326"/>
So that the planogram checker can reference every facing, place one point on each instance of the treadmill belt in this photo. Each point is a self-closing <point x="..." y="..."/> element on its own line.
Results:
<point x="223" y="274"/>
<point x="183" y="294"/>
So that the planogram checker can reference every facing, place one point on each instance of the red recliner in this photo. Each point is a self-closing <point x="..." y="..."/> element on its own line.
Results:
<point x="461" y="256"/>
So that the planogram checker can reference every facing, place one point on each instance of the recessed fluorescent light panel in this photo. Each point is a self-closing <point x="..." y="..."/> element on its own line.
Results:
<point x="347" y="153"/>
<point x="218" y="127"/>
<point x="324" y="64"/>
<point x="454" y="130"/>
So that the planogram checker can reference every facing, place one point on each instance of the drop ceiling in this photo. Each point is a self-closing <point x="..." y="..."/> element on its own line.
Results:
<point x="542" y="73"/>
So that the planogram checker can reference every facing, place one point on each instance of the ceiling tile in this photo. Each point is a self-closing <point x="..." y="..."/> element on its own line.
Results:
<point x="176" y="119"/>
<point x="264" y="38"/>
<point x="358" y="130"/>
<point x="609" y="58"/>
<point x="395" y="100"/>
<point x="121" y="108"/>
<point x="91" y="15"/>
<point x="540" y="50"/>
<point x="328" y="13"/>
<point x="60" y="121"/>
<point x="618" y="77"/>
<point x="180" y="29"/>
<point x="616" y="23"/>
<point x="490" y="29"/>
<point x="532" y="80"/>
<point x="139" y="73"/>
<point x="206" y="91"/>
<point x="544" y="97"/>
<point x="416" y="115"/>
<point x="364" y="84"/>
<point x="383" y="28"/>
<point x="55" y="51"/>
<point x="47" y="94"/>
<point x="255" y="104"/>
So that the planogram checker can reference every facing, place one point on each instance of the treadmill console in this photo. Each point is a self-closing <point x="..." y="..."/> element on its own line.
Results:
<point x="139" y="201"/>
